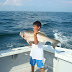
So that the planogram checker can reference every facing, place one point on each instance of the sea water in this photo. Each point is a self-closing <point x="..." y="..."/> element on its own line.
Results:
<point x="57" y="25"/>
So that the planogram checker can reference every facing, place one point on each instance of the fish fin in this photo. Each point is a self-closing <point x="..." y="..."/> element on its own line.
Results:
<point x="42" y="32"/>
<point x="53" y="45"/>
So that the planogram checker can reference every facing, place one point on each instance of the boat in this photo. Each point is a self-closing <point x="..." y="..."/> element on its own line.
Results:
<point x="17" y="59"/>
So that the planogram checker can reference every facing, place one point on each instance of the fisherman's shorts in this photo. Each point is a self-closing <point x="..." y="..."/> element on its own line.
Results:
<point x="39" y="63"/>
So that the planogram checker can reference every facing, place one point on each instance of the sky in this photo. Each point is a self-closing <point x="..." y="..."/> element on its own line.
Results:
<point x="36" y="5"/>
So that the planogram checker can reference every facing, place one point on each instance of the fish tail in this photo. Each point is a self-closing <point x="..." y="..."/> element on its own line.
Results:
<point x="55" y="43"/>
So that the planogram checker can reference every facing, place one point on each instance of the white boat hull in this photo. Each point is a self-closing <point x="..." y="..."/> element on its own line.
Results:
<point x="17" y="60"/>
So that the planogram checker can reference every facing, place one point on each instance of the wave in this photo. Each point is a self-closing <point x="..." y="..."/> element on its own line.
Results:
<point x="50" y="24"/>
<point x="66" y="22"/>
<point x="2" y="22"/>
<point x="9" y="19"/>
<point x="45" y="24"/>
<point x="66" y="41"/>
<point x="8" y="34"/>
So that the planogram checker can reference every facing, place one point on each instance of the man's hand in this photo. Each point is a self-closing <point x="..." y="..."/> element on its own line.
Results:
<point x="36" y="32"/>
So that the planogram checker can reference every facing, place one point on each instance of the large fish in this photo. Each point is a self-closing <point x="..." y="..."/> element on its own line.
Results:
<point x="41" y="36"/>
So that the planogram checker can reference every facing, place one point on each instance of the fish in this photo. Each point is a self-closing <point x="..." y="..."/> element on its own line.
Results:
<point x="41" y="36"/>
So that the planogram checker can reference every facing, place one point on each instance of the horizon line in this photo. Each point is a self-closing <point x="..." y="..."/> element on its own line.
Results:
<point x="37" y="11"/>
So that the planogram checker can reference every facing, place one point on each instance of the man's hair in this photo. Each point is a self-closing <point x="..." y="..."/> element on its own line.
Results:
<point x="37" y="23"/>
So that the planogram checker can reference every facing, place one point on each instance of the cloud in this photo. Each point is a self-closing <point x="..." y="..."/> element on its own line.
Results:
<point x="68" y="2"/>
<point x="13" y="2"/>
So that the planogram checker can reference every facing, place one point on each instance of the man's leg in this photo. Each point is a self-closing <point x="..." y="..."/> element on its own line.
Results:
<point x="40" y="65"/>
<point x="32" y="62"/>
<point x="32" y="68"/>
<point x="42" y="69"/>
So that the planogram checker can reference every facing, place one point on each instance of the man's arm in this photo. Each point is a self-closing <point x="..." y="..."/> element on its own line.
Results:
<point x="35" y="38"/>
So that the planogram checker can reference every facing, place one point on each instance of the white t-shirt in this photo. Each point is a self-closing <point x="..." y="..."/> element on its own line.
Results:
<point x="37" y="51"/>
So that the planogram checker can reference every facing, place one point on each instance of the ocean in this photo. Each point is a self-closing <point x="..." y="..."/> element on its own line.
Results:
<point x="57" y="25"/>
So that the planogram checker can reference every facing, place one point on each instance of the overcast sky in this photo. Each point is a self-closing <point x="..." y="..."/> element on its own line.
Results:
<point x="36" y="5"/>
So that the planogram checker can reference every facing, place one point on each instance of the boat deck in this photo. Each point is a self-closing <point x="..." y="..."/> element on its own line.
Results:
<point x="37" y="69"/>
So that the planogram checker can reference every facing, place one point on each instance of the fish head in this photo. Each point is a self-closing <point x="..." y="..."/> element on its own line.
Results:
<point x="27" y="35"/>
<point x="22" y="34"/>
